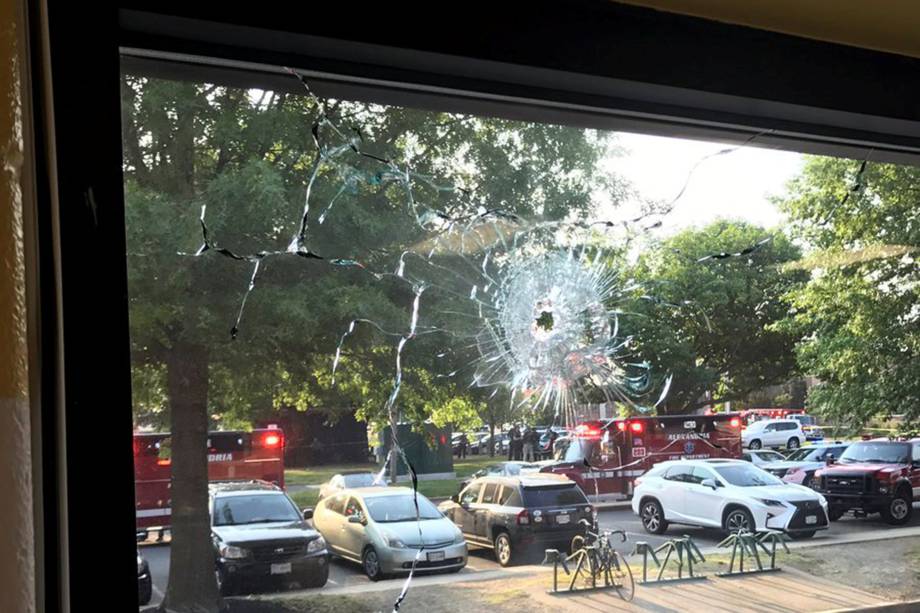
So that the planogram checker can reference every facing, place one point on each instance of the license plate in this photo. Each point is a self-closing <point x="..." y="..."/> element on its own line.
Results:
<point x="435" y="556"/>
<point x="562" y="519"/>
<point x="281" y="569"/>
<point x="811" y="519"/>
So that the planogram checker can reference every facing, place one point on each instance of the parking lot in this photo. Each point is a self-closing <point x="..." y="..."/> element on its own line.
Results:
<point x="345" y="574"/>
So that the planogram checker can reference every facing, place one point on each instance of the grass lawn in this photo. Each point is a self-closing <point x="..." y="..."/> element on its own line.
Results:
<point x="442" y="488"/>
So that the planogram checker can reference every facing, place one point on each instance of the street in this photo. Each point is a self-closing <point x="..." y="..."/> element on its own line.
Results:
<point x="345" y="574"/>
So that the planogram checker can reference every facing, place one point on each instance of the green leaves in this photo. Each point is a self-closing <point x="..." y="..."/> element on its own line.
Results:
<point x="858" y="316"/>
<point x="709" y="323"/>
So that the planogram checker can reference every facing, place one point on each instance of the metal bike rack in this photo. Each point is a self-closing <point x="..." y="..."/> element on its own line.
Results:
<point x="682" y="551"/>
<point x="744" y="542"/>
<point x="557" y="559"/>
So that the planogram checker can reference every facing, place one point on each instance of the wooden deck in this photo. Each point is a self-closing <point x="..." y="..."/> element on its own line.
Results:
<point x="786" y="591"/>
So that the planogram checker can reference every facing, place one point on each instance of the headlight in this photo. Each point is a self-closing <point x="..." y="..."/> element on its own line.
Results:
<point x="232" y="553"/>
<point x="395" y="543"/>
<point x="770" y="503"/>
<point x="317" y="544"/>
<point x="459" y="539"/>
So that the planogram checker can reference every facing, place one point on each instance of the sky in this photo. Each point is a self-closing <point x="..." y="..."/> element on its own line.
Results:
<point x="736" y="185"/>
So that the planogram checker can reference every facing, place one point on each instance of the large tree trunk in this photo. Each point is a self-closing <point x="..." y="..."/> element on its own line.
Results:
<point x="491" y="439"/>
<point x="192" y="584"/>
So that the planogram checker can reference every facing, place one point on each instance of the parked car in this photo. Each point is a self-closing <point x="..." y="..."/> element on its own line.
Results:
<point x="480" y="444"/>
<point x="503" y="469"/>
<point x="800" y="465"/>
<point x="513" y="514"/>
<point x="873" y="477"/>
<point x="348" y="480"/>
<point x="762" y="456"/>
<point x="728" y="494"/>
<point x="378" y="528"/>
<point x="144" y="580"/>
<point x="773" y="433"/>
<point x="260" y="535"/>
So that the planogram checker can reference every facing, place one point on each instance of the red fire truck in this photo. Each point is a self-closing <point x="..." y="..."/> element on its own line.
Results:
<point x="605" y="457"/>
<point x="231" y="456"/>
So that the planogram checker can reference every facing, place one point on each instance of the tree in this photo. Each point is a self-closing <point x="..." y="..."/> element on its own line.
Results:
<point x="706" y="322"/>
<point x="245" y="156"/>
<point x="858" y="316"/>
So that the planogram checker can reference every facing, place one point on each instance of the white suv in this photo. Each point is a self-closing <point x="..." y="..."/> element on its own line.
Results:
<point x="729" y="494"/>
<point x="773" y="433"/>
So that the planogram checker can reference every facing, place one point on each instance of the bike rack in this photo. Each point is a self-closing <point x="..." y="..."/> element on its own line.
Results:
<point x="682" y="550"/>
<point x="743" y="542"/>
<point x="558" y="559"/>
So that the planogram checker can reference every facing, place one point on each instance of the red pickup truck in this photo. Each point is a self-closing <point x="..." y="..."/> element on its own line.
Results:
<point x="878" y="476"/>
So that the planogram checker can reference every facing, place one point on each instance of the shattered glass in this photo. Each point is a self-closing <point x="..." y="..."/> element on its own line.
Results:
<point x="537" y="311"/>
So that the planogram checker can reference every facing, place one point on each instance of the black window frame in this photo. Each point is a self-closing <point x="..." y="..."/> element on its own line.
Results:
<point x="602" y="68"/>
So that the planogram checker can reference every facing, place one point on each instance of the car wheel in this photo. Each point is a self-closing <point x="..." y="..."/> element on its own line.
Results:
<point x="835" y="513"/>
<point x="898" y="510"/>
<point x="316" y="578"/>
<point x="793" y="443"/>
<point x="803" y="536"/>
<point x="755" y="444"/>
<point x="371" y="564"/>
<point x="653" y="517"/>
<point x="503" y="553"/>
<point x="738" y="520"/>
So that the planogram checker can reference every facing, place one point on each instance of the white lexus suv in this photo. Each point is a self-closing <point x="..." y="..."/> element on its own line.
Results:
<point x="786" y="433"/>
<point x="729" y="494"/>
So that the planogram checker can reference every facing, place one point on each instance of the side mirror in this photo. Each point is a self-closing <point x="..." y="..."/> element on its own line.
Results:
<point x="355" y="519"/>
<point x="455" y="498"/>
<point x="308" y="513"/>
<point x="830" y="460"/>
<point x="465" y="505"/>
<point x="710" y="483"/>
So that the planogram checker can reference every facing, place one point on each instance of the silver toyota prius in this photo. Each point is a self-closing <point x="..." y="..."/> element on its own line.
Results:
<point x="377" y="528"/>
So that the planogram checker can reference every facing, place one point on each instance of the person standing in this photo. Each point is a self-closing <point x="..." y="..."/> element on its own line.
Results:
<point x="463" y="443"/>
<point x="527" y="444"/>
<point x="513" y="436"/>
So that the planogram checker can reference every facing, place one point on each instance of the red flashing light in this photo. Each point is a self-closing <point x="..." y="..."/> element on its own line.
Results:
<point x="271" y="440"/>
<point x="735" y="422"/>
<point x="164" y="462"/>
<point x="586" y="430"/>
<point x="637" y="427"/>
<point x="621" y="426"/>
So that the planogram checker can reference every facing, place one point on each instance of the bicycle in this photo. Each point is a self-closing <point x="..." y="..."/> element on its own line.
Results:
<point x="596" y="559"/>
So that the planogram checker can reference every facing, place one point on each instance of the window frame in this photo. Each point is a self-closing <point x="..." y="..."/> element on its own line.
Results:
<point x="79" y="237"/>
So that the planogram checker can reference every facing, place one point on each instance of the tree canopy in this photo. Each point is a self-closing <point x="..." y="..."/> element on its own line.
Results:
<point x="858" y="317"/>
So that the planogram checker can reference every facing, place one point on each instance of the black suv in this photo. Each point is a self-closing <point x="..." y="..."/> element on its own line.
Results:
<point x="259" y="534"/>
<point x="512" y="514"/>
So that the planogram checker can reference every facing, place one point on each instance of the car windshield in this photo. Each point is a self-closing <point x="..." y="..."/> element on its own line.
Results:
<point x="746" y="475"/>
<point x="806" y="455"/>
<point x="770" y="456"/>
<point x="361" y="480"/>
<point x="553" y="496"/>
<point x="255" y="509"/>
<point x="390" y="509"/>
<point x="877" y="453"/>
